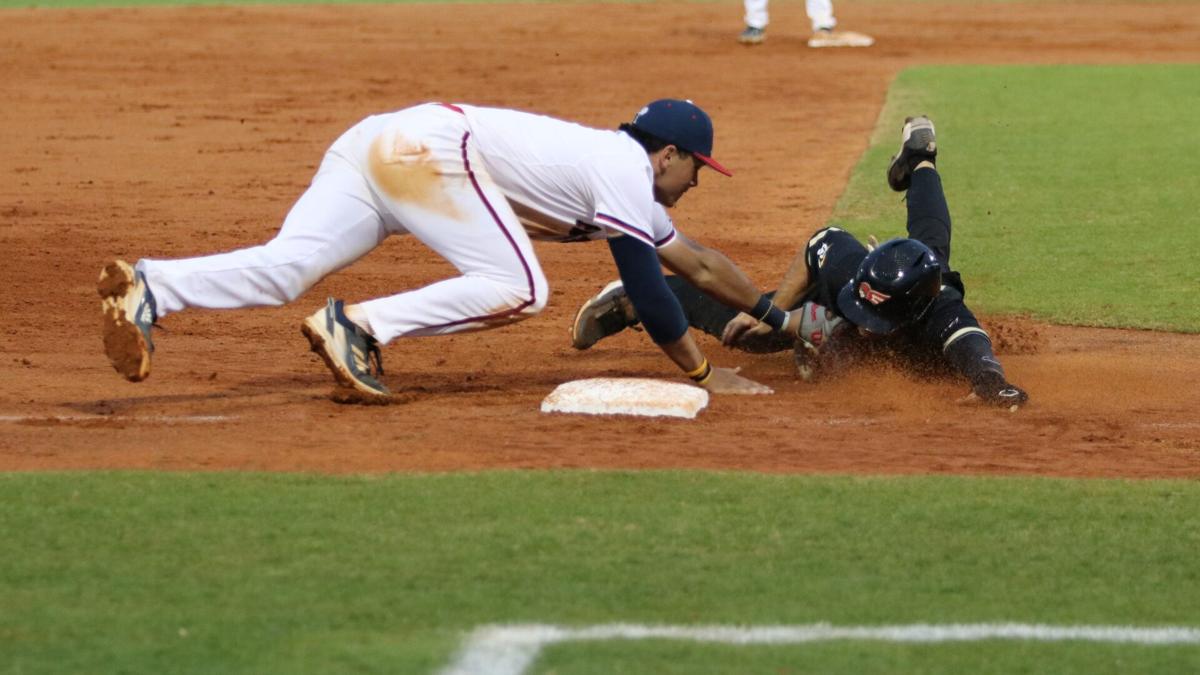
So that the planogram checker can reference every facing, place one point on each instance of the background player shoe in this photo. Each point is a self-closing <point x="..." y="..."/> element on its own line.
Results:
<point x="917" y="144"/>
<point x="128" y="314"/>
<point x="753" y="36"/>
<point x="609" y="312"/>
<point x="839" y="38"/>
<point x="351" y="354"/>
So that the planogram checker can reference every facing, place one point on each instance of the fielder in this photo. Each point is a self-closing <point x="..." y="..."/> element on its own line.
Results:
<point x="476" y="185"/>
<point x="898" y="299"/>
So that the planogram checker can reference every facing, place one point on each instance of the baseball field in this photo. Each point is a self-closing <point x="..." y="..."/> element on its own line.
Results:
<point x="226" y="516"/>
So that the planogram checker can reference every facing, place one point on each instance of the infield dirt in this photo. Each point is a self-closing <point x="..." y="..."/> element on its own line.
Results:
<point x="172" y="132"/>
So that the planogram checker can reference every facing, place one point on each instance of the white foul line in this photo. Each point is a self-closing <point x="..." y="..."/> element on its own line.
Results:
<point x="78" y="419"/>
<point x="510" y="650"/>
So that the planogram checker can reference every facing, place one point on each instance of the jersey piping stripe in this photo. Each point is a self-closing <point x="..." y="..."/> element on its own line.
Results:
<point x="961" y="333"/>
<point x="665" y="240"/>
<point x="507" y="235"/>
<point x="625" y="227"/>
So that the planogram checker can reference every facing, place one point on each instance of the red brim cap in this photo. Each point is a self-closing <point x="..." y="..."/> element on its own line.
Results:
<point x="713" y="163"/>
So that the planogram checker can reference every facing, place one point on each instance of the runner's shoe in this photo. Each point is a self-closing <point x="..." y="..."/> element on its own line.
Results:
<point x="128" y="314"/>
<point x="351" y="354"/>
<point x="917" y="145"/>
<point x="609" y="312"/>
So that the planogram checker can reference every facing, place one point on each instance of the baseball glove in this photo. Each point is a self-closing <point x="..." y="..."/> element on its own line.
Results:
<point x="822" y="343"/>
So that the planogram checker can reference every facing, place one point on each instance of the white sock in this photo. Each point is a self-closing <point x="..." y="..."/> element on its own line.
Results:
<point x="358" y="317"/>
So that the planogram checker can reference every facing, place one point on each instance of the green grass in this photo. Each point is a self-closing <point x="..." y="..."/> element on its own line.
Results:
<point x="139" y="572"/>
<point x="1072" y="188"/>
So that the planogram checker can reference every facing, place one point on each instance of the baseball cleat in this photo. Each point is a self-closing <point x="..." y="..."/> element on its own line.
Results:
<point x="917" y="144"/>
<point x="128" y="314"/>
<point x="607" y="313"/>
<point x="839" y="38"/>
<point x="351" y="354"/>
<point x="753" y="36"/>
<point x="991" y="388"/>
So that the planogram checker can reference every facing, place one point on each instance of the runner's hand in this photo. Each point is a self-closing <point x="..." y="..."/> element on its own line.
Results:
<point x="742" y="326"/>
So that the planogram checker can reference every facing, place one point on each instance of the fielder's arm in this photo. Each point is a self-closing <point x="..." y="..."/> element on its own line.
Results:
<point x="716" y="275"/>
<point x="710" y="271"/>
<point x="663" y="318"/>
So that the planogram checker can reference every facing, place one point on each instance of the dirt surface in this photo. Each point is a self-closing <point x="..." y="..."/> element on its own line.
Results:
<point x="172" y="132"/>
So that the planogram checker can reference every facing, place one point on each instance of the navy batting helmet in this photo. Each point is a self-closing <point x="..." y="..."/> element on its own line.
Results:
<point x="895" y="285"/>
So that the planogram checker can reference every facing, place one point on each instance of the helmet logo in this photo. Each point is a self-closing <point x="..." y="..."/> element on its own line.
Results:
<point x="871" y="295"/>
<point x="821" y="253"/>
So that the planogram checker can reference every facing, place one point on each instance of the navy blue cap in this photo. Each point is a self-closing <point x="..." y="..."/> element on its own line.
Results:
<point x="682" y="124"/>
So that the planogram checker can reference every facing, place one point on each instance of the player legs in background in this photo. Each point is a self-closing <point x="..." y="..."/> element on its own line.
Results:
<point x="756" y="19"/>
<point x="820" y="16"/>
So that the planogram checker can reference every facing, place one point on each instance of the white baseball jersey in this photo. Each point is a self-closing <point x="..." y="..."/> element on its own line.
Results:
<point x="568" y="182"/>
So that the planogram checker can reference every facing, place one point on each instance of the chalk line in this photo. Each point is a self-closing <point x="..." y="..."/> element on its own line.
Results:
<point x="153" y="419"/>
<point x="511" y="649"/>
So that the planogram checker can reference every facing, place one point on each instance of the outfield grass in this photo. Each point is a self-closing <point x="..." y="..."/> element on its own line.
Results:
<point x="142" y="572"/>
<point x="1072" y="188"/>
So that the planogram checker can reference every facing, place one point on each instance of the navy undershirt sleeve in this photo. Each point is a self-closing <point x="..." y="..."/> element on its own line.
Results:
<point x="641" y="273"/>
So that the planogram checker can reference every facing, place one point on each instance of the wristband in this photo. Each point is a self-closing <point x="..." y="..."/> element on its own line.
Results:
<point x="762" y="308"/>
<point x="766" y="312"/>
<point x="703" y="373"/>
<point x="776" y="318"/>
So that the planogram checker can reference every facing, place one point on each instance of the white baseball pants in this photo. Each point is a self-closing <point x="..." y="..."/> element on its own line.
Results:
<point x="820" y="13"/>
<point x="413" y="171"/>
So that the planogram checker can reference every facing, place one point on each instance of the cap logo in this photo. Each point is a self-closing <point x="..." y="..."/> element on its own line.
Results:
<point x="871" y="295"/>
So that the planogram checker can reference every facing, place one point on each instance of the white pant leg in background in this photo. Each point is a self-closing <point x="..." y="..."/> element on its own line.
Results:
<point x="334" y="223"/>
<point x="425" y="173"/>
<point x="820" y="13"/>
<point x="756" y="13"/>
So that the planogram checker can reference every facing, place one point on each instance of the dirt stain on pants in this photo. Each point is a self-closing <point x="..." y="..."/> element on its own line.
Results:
<point x="407" y="172"/>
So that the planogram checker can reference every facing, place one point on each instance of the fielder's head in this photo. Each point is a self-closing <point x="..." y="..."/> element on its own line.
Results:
<point x="895" y="285"/>
<point x="678" y="136"/>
